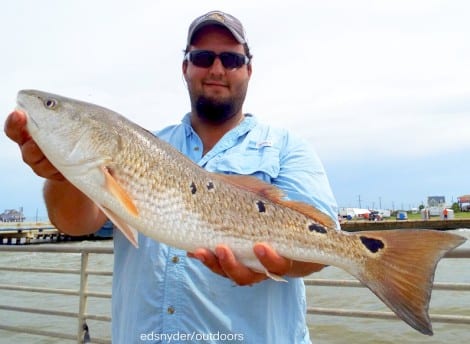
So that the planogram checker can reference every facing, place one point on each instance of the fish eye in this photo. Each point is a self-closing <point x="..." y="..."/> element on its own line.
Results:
<point x="50" y="103"/>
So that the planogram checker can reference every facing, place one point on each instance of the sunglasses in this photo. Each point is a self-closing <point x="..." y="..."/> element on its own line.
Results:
<point x="205" y="59"/>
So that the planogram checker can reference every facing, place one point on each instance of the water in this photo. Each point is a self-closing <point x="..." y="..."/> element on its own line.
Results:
<point x="338" y="330"/>
<point x="324" y="329"/>
<point x="66" y="303"/>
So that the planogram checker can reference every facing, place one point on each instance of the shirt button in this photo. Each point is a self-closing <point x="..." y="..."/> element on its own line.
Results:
<point x="175" y="259"/>
<point x="196" y="148"/>
<point x="170" y="310"/>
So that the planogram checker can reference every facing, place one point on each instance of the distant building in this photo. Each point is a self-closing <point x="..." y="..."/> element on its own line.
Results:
<point x="436" y="204"/>
<point x="12" y="215"/>
<point x="436" y="201"/>
<point x="464" y="202"/>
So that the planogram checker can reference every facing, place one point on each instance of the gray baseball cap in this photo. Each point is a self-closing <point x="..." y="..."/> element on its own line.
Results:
<point x="218" y="18"/>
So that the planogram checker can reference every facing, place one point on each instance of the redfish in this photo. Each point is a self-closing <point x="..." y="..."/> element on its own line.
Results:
<point x="145" y="185"/>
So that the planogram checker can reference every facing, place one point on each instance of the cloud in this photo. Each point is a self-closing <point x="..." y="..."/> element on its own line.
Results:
<point x="386" y="78"/>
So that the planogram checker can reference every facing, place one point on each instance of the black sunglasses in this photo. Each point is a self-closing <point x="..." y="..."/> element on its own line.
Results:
<point x="205" y="59"/>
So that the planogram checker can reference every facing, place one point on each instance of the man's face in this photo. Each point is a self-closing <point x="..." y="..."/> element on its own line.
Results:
<point x="216" y="93"/>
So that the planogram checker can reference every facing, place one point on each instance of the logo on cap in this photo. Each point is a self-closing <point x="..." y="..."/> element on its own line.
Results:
<point x="217" y="16"/>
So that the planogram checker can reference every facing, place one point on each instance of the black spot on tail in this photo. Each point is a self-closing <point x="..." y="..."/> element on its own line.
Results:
<point x="261" y="206"/>
<point x="210" y="186"/>
<point x="315" y="227"/>
<point x="372" y="244"/>
<point x="193" y="188"/>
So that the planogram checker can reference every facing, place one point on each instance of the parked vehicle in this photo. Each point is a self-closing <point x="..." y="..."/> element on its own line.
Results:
<point x="375" y="216"/>
<point x="402" y="215"/>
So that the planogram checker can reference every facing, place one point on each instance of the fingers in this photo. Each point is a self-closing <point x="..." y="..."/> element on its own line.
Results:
<point x="272" y="261"/>
<point x="38" y="162"/>
<point x="15" y="129"/>
<point x="209" y="259"/>
<point x="236" y="271"/>
<point x="224" y="263"/>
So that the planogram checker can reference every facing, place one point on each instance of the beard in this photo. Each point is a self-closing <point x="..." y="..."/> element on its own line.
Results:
<point x="217" y="110"/>
<point x="214" y="111"/>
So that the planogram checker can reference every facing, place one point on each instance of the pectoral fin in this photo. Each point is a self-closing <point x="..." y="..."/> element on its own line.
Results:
<point x="130" y="233"/>
<point x="117" y="191"/>
<point x="121" y="195"/>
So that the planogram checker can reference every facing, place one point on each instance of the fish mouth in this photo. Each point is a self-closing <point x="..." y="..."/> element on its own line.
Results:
<point x="29" y="119"/>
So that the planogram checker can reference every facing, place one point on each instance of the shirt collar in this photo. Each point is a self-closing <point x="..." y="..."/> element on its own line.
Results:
<point x="229" y="140"/>
<point x="248" y="123"/>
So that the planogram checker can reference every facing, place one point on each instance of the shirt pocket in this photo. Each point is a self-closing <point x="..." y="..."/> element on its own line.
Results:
<point x="261" y="162"/>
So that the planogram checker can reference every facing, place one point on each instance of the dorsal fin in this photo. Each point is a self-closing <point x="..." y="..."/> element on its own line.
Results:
<point x="254" y="185"/>
<point x="311" y="212"/>
<point x="275" y="195"/>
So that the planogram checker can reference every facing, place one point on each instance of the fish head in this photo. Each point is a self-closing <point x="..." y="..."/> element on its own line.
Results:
<point x="68" y="131"/>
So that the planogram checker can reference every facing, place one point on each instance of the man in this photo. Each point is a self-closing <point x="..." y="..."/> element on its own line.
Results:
<point x="158" y="292"/>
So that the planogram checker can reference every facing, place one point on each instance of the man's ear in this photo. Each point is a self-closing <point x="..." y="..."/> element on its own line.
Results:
<point x="184" y="68"/>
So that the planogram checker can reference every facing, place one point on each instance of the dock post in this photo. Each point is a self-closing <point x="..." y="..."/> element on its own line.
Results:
<point x="83" y="296"/>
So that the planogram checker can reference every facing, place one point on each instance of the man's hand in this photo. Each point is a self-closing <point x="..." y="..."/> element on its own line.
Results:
<point x="67" y="207"/>
<point x="15" y="129"/>
<point x="224" y="263"/>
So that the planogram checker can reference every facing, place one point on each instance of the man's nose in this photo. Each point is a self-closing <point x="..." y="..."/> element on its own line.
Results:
<point x="217" y="67"/>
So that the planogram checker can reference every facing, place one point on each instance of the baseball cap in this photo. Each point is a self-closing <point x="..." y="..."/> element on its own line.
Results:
<point x="218" y="18"/>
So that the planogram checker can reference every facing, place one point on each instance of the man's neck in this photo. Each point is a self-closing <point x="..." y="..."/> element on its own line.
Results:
<point x="210" y="133"/>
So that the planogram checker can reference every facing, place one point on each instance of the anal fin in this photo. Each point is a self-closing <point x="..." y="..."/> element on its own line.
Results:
<point x="275" y="277"/>
<point x="254" y="264"/>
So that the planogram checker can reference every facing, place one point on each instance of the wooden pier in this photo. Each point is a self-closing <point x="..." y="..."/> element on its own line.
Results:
<point x="23" y="233"/>
<point x="20" y="233"/>
<point x="354" y="226"/>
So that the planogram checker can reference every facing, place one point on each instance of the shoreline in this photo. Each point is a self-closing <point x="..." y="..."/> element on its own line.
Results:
<point x="438" y="224"/>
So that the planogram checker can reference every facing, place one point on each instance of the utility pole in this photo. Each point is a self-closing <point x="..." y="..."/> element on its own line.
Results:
<point x="359" y="199"/>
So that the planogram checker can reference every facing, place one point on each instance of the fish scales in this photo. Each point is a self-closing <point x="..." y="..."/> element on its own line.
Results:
<point x="144" y="185"/>
<point x="224" y="208"/>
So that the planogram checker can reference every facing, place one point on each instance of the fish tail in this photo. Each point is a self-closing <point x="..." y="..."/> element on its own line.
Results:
<point x="400" y="270"/>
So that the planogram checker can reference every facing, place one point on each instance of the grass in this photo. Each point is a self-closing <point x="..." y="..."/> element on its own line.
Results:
<point x="462" y="215"/>
<point x="459" y="215"/>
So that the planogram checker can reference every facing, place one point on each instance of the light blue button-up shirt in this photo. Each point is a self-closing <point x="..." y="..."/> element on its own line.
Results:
<point x="161" y="295"/>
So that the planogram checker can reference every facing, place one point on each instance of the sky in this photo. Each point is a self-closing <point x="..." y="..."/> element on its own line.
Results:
<point x="381" y="89"/>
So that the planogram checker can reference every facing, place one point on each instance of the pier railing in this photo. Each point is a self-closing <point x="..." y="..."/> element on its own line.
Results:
<point x="83" y="292"/>
<point x="435" y="318"/>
